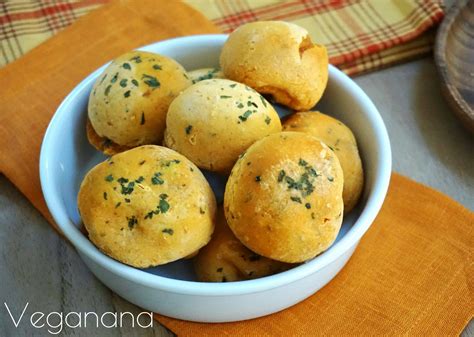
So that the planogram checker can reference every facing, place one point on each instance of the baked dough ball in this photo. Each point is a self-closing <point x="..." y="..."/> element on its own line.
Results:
<point x="226" y="259"/>
<point x="147" y="206"/>
<point x="214" y="121"/>
<point x="202" y="74"/>
<point x="340" y="139"/>
<point x="129" y="100"/>
<point x="283" y="199"/>
<point x="277" y="58"/>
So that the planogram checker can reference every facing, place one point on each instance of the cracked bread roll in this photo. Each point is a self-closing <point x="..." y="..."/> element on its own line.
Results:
<point x="147" y="206"/>
<point x="202" y="74"/>
<point x="130" y="99"/>
<point x="226" y="259"/>
<point x="277" y="58"/>
<point x="213" y="121"/>
<point x="339" y="138"/>
<point x="283" y="199"/>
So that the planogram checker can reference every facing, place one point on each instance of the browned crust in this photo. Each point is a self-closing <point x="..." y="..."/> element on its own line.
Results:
<point x="103" y="144"/>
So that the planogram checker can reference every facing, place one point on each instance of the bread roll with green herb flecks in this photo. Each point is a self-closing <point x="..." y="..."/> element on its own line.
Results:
<point x="214" y="121"/>
<point x="226" y="259"/>
<point x="339" y="138"/>
<point x="147" y="206"/>
<point x="277" y="58"/>
<point x="283" y="199"/>
<point x="202" y="74"/>
<point x="130" y="99"/>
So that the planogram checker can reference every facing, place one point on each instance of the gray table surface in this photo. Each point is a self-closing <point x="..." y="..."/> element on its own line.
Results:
<point x="36" y="266"/>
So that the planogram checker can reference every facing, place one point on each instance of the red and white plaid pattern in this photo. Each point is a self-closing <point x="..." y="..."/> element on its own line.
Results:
<point x="360" y="35"/>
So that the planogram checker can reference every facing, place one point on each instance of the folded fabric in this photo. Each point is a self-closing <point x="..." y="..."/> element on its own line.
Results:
<point x="360" y="35"/>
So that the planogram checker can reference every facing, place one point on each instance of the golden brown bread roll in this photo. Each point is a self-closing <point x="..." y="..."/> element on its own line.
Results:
<point x="130" y="99"/>
<point x="213" y="121"/>
<point x="277" y="58"/>
<point x="226" y="259"/>
<point x="283" y="199"/>
<point x="147" y="206"/>
<point x="340" y="139"/>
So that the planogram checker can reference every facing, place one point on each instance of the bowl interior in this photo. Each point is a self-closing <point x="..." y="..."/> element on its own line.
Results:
<point x="67" y="156"/>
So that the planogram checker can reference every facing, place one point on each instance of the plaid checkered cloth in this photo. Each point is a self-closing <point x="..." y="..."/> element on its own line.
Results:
<point x="360" y="35"/>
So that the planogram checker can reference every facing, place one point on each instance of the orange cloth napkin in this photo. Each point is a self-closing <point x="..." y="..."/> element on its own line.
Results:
<point x="412" y="272"/>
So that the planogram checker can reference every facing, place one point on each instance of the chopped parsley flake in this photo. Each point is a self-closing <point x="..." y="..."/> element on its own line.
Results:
<point x="107" y="90"/>
<point x="139" y="179"/>
<point x="103" y="79"/>
<point x="168" y="231"/>
<point x="126" y="66"/>
<point x="126" y="94"/>
<point x="137" y="59"/>
<point x="132" y="221"/>
<point x="156" y="179"/>
<point x="250" y="103"/>
<point x="268" y="120"/>
<point x="109" y="178"/>
<point x="162" y="207"/>
<point x="170" y="162"/>
<point x="263" y="101"/>
<point x="114" y="79"/>
<point x="302" y="162"/>
<point x="118" y="204"/>
<point x="151" y="81"/>
<point x="240" y="105"/>
<point x="258" y="179"/>
<point x="127" y="200"/>
<point x="134" y="82"/>
<point x="233" y="85"/>
<point x="281" y="175"/>
<point x="245" y="115"/>
<point x="296" y="199"/>
<point x="188" y="129"/>
<point x="225" y="96"/>
<point x="123" y="83"/>
<point x="142" y="162"/>
<point x="157" y="67"/>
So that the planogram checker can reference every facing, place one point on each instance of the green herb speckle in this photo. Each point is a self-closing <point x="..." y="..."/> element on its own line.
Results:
<point x="132" y="221"/>
<point x="109" y="178"/>
<point x="188" y="129"/>
<point x="225" y="96"/>
<point x="296" y="199"/>
<point x="168" y="231"/>
<point x="123" y="83"/>
<point x="156" y="179"/>
<point x="245" y="115"/>
<point x="114" y="79"/>
<point x="151" y="81"/>
<point x="126" y="66"/>
<point x="268" y="120"/>
<point x="258" y="179"/>
<point x="142" y="120"/>
<point x="105" y="195"/>
<point x="126" y="94"/>
<point x="134" y="82"/>
<point x="107" y="90"/>
<point x="157" y="67"/>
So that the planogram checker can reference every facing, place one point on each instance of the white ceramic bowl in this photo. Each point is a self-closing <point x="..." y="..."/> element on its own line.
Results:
<point x="171" y="290"/>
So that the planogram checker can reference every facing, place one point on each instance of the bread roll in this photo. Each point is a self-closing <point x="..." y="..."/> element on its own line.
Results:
<point x="214" y="121"/>
<point x="226" y="259"/>
<point x="147" y="206"/>
<point x="277" y="58"/>
<point x="339" y="138"/>
<point x="130" y="99"/>
<point x="283" y="199"/>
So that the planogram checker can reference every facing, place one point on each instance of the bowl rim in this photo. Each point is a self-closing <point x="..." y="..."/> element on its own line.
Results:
<point x="84" y="246"/>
